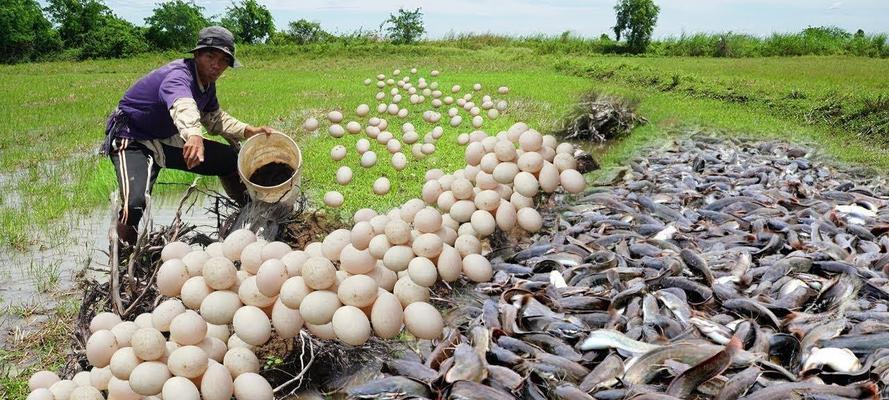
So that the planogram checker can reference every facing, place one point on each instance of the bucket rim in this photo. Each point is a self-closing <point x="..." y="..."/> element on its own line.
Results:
<point x="296" y="170"/>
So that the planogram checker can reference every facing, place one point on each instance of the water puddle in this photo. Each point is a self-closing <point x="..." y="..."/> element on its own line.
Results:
<point x="34" y="281"/>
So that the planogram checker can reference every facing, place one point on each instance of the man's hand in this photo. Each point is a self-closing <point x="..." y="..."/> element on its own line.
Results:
<point x="193" y="151"/>
<point x="255" y="130"/>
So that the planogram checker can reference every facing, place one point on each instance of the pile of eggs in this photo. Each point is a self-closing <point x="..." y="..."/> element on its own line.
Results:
<point x="228" y="299"/>
<point x="392" y="105"/>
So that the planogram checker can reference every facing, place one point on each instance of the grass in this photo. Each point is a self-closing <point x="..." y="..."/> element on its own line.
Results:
<point x="822" y="41"/>
<point x="841" y="92"/>
<point x="46" y="275"/>
<point x="44" y="348"/>
<point x="54" y="112"/>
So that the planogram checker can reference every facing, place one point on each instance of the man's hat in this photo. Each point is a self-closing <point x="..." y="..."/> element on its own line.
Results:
<point x="220" y="38"/>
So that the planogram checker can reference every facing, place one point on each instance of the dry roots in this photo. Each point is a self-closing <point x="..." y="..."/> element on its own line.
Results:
<point x="599" y="118"/>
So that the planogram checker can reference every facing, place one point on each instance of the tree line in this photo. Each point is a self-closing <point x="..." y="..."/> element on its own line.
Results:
<point x="85" y="29"/>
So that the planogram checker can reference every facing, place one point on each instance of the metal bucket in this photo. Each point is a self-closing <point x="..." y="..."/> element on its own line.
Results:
<point x="262" y="149"/>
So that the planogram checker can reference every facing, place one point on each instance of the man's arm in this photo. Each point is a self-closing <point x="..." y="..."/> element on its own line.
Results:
<point x="187" y="119"/>
<point x="221" y="123"/>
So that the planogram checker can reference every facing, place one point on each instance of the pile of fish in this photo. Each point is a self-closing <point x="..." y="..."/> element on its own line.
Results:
<point x="706" y="269"/>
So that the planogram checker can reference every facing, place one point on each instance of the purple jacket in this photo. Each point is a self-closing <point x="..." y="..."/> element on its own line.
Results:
<point x="147" y="103"/>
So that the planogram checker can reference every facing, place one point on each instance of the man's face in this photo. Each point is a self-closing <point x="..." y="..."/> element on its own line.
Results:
<point x="211" y="63"/>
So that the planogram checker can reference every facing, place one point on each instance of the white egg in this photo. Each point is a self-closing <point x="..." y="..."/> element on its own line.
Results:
<point x="180" y="388"/>
<point x="356" y="261"/>
<point x="240" y="360"/>
<point x="187" y="328"/>
<point x="351" y="325"/>
<point x="252" y="325"/>
<point x="353" y="127"/>
<point x="423" y="320"/>
<point x="164" y="313"/>
<point x="171" y="275"/>
<point x="252" y="386"/>
<point x="381" y="186"/>
<point x="286" y="321"/>
<point x="174" y="249"/>
<point x="338" y="152"/>
<point x="62" y="389"/>
<point x="317" y="308"/>
<point x="149" y="377"/>
<point x="311" y="124"/>
<point x="393" y="146"/>
<point x="333" y="199"/>
<point x="529" y="219"/>
<point x="100" y="346"/>
<point x="362" y="110"/>
<point x="188" y="361"/>
<point x="399" y="161"/>
<point x="572" y="181"/>
<point x="335" y="116"/>
<point x="220" y="306"/>
<point x="368" y="159"/>
<point x="217" y="384"/>
<point x="336" y="130"/>
<point x="43" y="379"/>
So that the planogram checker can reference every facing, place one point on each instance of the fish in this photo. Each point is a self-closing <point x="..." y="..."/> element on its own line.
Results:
<point x="610" y="339"/>
<point x="391" y="387"/>
<point x="467" y="390"/>
<point x="686" y="383"/>
<point x="697" y="264"/>
<point x="604" y="375"/>
<point x="867" y="390"/>
<point x="738" y="385"/>
<point x="858" y="344"/>
<point x="839" y="360"/>
<point x="468" y="366"/>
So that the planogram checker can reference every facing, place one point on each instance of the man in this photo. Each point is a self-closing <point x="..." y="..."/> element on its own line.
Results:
<point x="159" y="123"/>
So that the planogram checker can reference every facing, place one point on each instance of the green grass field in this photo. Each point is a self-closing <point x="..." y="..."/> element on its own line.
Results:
<point x="53" y="112"/>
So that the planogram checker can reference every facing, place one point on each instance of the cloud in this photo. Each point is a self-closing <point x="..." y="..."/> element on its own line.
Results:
<point x="836" y="5"/>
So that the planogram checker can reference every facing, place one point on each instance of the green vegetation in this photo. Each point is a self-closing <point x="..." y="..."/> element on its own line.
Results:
<point x="635" y="21"/>
<point x="44" y="347"/>
<point x="404" y="27"/>
<point x="249" y="21"/>
<point x="55" y="112"/>
<point x="844" y="93"/>
<point x="175" y="25"/>
<point x="88" y="29"/>
<point x="26" y="34"/>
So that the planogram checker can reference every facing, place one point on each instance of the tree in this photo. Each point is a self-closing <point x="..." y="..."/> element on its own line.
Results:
<point x="175" y="24"/>
<point x="406" y="27"/>
<point x="249" y="21"/>
<point x="636" y="20"/>
<point x="25" y="33"/>
<point x="304" y="31"/>
<point x="76" y="18"/>
<point x="116" y="38"/>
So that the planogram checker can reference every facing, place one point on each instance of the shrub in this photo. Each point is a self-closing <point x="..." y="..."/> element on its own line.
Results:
<point x="305" y="32"/>
<point x="25" y="34"/>
<point x="78" y="18"/>
<point x="405" y="27"/>
<point x="175" y="25"/>
<point x="635" y="20"/>
<point x="249" y="21"/>
<point x="115" y="39"/>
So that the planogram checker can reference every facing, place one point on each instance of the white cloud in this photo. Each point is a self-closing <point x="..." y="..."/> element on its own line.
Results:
<point x="835" y="5"/>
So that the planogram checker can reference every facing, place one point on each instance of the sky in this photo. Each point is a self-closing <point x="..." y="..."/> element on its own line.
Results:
<point x="582" y="18"/>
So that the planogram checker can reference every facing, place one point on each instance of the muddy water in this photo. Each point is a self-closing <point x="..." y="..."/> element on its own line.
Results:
<point x="34" y="281"/>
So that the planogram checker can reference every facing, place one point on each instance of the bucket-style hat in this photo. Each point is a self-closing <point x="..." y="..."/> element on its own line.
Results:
<point x="220" y="38"/>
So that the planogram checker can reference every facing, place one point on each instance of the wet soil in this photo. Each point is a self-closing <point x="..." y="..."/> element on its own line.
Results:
<point x="271" y="174"/>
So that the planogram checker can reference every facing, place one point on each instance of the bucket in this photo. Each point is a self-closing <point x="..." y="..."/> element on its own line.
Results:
<point x="260" y="150"/>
